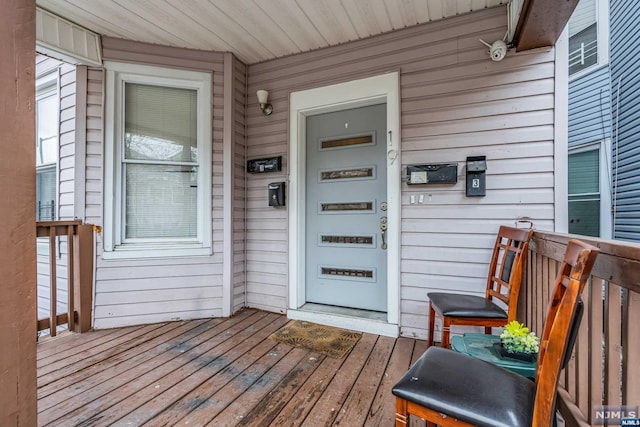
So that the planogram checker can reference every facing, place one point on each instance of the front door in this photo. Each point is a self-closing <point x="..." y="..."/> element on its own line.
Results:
<point x="346" y="217"/>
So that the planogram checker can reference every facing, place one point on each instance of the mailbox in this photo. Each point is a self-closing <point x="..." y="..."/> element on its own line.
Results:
<point x="476" y="176"/>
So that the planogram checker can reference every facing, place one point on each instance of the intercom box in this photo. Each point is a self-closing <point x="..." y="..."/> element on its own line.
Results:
<point x="270" y="164"/>
<point x="432" y="173"/>
<point x="276" y="194"/>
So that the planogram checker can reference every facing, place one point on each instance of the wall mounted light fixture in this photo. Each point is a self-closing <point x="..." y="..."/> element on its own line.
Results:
<point x="263" y="98"/>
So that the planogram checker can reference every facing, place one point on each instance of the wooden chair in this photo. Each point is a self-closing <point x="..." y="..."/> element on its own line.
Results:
<point x="454" y="389"/>
<point x="503" y="284"/>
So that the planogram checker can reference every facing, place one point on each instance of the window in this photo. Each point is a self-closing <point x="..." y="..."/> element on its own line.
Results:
<point x="589" y="195"/>
<point x="158" y="167"/>
<point x="588" y="35"/>
<point x="46" y="147"/>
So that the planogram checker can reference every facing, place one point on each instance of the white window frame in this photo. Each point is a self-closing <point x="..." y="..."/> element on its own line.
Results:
<point x="605" y="182"/>
<point x="602" y="28"/>
<point x="48" y="85"/>
<point x="117" y="74"/>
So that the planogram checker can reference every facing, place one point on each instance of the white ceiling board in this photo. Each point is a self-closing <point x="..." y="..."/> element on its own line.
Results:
<point x="421" y="10"/>
<point x="224" y="29"/>
<point x="407" y="12"/>
<point x="246" y="15"/>
<point x="330" y="18"/>
<point x="255" y="30"/>
<point x="293" y="21"/>
<point x="435" y="10"/>
<point x="363" y="18"/>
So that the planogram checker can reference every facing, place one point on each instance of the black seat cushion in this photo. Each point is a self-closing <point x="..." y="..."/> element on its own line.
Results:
<point x="458" y="305"/>
<point x="469" y="389"/>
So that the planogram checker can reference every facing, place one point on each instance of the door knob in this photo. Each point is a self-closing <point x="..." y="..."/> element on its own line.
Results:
<point x="383" y="229"/>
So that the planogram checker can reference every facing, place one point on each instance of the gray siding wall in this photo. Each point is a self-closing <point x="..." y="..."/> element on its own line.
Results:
<point x="625" y="87"/>
<point x="66" y="76"/>
<point x="590" y="108"/>
<point x="146" y="291"/>
<point x="455" y="102"/>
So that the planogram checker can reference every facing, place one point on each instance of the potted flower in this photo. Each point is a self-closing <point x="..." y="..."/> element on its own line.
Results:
<point x="516" y="341"/>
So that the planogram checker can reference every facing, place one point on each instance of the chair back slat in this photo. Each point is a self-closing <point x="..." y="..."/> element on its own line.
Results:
<point x="561" y="323"/>
<point x="505" y="268"/>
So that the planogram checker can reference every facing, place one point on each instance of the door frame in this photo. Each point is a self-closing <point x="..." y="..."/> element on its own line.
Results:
<point x="374" y="90"/>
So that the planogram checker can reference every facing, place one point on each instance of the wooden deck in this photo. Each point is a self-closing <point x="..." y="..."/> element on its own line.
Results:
<point x="217" y="372"/>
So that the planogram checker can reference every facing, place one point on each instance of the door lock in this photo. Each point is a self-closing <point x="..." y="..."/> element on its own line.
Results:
<point x="383" y="229"/>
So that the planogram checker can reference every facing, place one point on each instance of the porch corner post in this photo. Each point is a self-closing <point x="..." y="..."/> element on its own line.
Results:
<point x="228" y="154"/>
<point x="17" y="214"/>
<point x="83" y="292"/>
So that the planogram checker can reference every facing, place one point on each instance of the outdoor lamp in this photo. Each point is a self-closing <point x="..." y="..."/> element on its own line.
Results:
<point x="263" y="97"/>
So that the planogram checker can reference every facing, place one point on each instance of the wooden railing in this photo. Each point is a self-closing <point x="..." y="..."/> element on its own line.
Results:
<point x="80" y="274"/>
<point x="605" y="366"/>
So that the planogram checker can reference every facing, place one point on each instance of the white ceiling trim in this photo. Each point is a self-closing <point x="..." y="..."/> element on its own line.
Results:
<point x="255" y="30"/>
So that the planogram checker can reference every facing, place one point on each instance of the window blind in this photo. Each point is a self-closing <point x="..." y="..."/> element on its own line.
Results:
<point x="160" y="123"/>
<point x="584" y="193"/>
<point x="161" y="196"/>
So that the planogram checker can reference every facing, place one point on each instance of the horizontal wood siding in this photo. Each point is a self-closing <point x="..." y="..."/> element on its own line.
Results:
<point x="455" y="103"/>
<point x="239" y="126"/>
<point x="625" y="86"/>
<point x="590" y="108"/>
<point x="145" y="291"/>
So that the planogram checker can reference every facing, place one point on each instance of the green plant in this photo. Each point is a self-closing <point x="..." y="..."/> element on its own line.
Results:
<point x="516" y="338"/>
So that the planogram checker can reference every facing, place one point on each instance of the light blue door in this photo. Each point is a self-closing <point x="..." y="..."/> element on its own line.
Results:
<point x="346" y="259"/>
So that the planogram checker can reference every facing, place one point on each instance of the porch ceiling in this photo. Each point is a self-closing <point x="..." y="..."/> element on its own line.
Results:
<point x="255" y="30"/>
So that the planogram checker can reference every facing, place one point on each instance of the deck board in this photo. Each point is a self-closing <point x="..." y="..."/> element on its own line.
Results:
<point x="217" y="372"/>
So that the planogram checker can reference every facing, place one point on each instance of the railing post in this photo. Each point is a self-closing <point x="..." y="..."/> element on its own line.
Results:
<point x="53" y="294"/>
<point x="83" y="277"/>
<point x="70" y="277"/>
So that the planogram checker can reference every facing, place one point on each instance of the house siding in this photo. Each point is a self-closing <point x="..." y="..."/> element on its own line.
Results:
<point x="65" y="185"/>
<point x="145" y="291"/>
<point x="455" y="102"/>
<point x="590" y="112"/>
<point x="625" y="86"/>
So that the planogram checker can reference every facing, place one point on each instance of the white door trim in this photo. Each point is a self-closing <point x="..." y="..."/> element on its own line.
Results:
<point x="384" y="88"/>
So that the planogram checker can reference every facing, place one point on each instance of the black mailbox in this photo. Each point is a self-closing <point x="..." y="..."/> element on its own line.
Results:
<point x="476" y="176"/>
<point x="276" y="194"/>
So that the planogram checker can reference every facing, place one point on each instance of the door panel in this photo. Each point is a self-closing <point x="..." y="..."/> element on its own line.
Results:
<point x="346" y="259"/>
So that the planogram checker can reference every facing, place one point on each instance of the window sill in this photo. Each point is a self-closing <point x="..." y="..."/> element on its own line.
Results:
<point x="148" y="252"/>
<point x="593" y="68"/>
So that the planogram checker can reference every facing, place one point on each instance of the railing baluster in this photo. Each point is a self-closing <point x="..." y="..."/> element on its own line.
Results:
<point x="595" y="317"/>
<point x="631" y="343"/>
<point x="613" y="319"/>
<point x="52" y="283"/>
<point x="70" y="277"/>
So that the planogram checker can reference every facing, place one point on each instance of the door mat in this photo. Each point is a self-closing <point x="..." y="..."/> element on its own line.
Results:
<point x="327" y="340"/>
